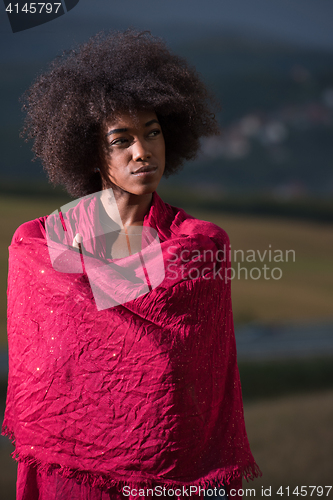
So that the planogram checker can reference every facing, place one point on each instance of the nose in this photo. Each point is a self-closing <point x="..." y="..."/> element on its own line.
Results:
<point x="140" y="152"/>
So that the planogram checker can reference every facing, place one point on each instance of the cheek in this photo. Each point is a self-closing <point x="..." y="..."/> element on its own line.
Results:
<point x="117" y="162"/>
<point x="161" y="149"/>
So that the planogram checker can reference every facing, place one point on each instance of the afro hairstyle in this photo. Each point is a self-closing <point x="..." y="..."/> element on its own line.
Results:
<point x="68" y="106"/>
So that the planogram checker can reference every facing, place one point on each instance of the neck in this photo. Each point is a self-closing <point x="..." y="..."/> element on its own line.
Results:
<point x="129" y="207"/>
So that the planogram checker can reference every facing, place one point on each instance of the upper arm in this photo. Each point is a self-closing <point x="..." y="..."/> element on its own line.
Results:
<point x="31" y="229"/>
<point x="217" y="234"/>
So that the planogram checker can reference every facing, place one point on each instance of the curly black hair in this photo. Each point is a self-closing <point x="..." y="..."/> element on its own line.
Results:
<point x="68" y="106"/>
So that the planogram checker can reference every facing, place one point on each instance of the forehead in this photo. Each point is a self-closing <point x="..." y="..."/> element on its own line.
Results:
<point x="128" y="120"/>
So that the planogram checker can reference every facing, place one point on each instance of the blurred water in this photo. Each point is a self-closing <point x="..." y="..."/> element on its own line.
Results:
<point x="255" y="341"/>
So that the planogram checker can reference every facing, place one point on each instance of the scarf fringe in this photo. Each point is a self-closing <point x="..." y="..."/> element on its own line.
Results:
<point x="105" y="482"/>
<point x="5" y="431"/>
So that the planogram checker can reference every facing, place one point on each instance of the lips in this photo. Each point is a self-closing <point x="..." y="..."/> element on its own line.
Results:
<point x="146" y="170"/>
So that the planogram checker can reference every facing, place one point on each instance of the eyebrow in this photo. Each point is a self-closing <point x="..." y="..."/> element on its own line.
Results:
<point x="119" y="130"/>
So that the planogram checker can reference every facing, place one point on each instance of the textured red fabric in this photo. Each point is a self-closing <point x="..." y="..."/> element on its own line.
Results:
<point x="33" y="484"/>
<point x="144" y="393"/>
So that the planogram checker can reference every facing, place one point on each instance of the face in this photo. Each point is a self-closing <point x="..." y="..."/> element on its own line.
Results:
<point x="136" y="158"/>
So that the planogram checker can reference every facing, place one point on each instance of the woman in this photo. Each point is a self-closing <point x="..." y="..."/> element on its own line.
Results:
<point x="123" y="372"/>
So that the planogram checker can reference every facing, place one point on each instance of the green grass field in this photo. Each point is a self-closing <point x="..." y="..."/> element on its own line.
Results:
<point x="304" y="292"/>
<point x="291" y="438"/>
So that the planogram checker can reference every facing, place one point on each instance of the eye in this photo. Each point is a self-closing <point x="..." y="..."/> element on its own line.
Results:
<point x="119" y="142"/>
<point x="154" y="133"/>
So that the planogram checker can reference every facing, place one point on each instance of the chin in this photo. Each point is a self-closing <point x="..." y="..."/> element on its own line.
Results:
<point x="142" y="192"/>
<point x="144" y="189"/>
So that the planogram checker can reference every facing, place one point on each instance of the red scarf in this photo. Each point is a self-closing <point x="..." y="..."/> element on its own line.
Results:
<point x="144" y="393"/>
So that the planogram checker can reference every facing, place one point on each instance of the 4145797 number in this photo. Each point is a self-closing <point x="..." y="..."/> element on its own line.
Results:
<point x="303" y="491"/>
<point x="33" y="8"/>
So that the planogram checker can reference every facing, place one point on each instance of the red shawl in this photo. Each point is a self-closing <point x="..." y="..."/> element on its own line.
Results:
<point x="142" y="393"/>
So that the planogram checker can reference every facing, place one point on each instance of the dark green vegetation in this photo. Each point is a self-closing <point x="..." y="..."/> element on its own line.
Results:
<point x="272" y="379"/>
<point x="311" y="208"/>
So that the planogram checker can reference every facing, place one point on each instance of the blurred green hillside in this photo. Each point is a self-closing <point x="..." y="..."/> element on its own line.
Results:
<point x="276" y="118"/>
